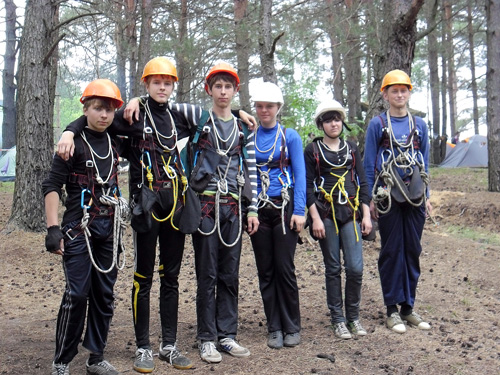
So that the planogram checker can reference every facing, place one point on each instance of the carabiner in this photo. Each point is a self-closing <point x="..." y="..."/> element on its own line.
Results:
<point x="82" y="200"/>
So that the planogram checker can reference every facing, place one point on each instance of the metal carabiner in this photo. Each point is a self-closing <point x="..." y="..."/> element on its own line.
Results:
<point x="82" y="200"/>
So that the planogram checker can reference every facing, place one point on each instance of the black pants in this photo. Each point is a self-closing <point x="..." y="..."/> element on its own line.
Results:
<point x="274" y="256"/>
<point x="88" y="292"/>
<point x="171" y="251"/>
<point x="217" y="272"/>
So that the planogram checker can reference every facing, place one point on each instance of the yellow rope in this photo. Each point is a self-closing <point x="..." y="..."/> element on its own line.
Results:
<point x="341" y="187"/>
<point x="175" y="185"/>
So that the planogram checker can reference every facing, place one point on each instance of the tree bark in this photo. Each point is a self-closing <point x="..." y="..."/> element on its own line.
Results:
<point x="8" y="84"/>
<point x="144" y="48"/>
<point x="397" y="45"/>
<point x="432" y="58"/>
<point x="37" y="72"/>
<point x="473" y="83"/>
<point x="452" y="78"/>
<point x="121" y="50"/>
<point x="131" y="45"/>
<point x="493" y="94"/>
<point x="444" y="84"/>
<point x="266" y="43"/>
<point x="334" y="10"/>
<point x="242" y="51"/>
<point x="183" y="86"/>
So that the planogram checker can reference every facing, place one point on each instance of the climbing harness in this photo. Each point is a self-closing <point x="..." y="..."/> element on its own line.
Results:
<point x="222" y="185"/>
<point x="407" y="158"/>
<point x="112" y="198"/>
<point x="263" y="198"/>
<point x="339" y="186"/>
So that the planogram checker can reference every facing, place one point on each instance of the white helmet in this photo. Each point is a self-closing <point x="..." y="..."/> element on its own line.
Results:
<point x="268" y="92"/>
<point x="328" y="105"/>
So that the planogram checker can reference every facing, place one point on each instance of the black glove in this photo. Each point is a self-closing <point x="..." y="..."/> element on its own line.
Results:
<point x="53" y="238"/>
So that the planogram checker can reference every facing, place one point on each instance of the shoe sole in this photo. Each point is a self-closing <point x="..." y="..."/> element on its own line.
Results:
<point x="143" y="370"/>
<point x="179" y="367"/>
<point x="237" y="355"/>
<point x="211" y="361"/>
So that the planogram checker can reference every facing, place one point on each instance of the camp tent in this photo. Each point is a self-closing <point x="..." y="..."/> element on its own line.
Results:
<point x="473" y="152"/>
<point x="8" y="165"/>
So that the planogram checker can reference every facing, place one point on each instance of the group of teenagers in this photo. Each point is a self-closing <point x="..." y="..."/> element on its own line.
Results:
<point x="235" y="174"/>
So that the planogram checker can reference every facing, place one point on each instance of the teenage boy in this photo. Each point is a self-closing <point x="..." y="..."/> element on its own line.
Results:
<point x="155" y="169"/>
<point x="225" y="178"/>
<point x="85" y="239"/>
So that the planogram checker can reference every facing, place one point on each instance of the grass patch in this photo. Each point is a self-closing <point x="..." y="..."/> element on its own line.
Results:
<point x="7" y="187"/>
<point x="478" y="175"/>
<point x="473" y="234"/>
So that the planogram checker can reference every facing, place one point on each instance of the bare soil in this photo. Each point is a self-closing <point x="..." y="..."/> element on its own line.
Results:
<point x="458" y="293"/>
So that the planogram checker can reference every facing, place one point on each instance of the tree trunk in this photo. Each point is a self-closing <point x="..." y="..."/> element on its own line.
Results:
<point x="470" y="32"/>
<point x="452" y="78"/>
<point x="37" y="72"/>
<point x="444" y="84"/>
<point x="131" y="44"/>
<point x="8" y="85"/>
<point x="144" y="43"/>
<point x="183" y="61"/>
<point x="121" y="50"/>
<point x="432" y="58"/>
<point x="242" y="51"/>
<point x="334" y="10"/>
<point x="397" y="45"/>
<point x="493" y="94"/>
<point x="266" y="43"/>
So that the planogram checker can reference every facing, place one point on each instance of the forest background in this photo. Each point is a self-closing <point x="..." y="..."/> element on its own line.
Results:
<point x="312" y="49"/>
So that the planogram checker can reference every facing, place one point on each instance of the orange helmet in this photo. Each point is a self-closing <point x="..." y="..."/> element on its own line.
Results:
<point x="103" y="88"/>
<point x="159" y="66"/>
<point x="222" y="67"/>
<point x="396" y="77"/>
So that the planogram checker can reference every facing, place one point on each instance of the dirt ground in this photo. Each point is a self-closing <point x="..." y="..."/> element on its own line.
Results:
<point x="458" y="293"/>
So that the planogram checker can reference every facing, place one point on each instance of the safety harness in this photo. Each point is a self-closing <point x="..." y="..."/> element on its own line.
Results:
<point x="172" y="166"/>
<point x="265" y="168"/>
<point x="409" y="159"/>
<point x="201" y="142"/>
<point x="336" y="170"/>
<point x="111" y="198"/>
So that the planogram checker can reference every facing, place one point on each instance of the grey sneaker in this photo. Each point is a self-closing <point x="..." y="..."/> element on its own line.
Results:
<point x="356" y="328"/>
<point x="60" y="369"/>
<point x="416" y="320"/>
<point x="230" y="346"/>
<point x="172" y="355"/>
<point x="395" y="323"/>
<point x="101" y="368"/>
<point x="341" y="331"/>
<point x="144" y="360"/>
<point x="209" y="353"/>
<point x="275" y="340"/>
<point x="292" y="339"/>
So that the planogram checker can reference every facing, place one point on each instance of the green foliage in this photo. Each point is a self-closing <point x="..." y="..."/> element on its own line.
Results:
<point x="69" y="110"/>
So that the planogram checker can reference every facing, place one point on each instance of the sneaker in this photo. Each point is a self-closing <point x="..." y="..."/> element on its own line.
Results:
<point x="275" y="340"/>
<point x="60" y="369"/>
<point x="292" y="339"/>
<point x="356" y="328"/>
<point x="101" y="368"/>
<point x="230" y="346"/>
<point x="395" y="323"/>
<point x="416" y="320"/>
<point x="172" y="355"/>
<point x="209" y="353"/>
<point x="144" y="360"/>
<point x="341" y="331"/>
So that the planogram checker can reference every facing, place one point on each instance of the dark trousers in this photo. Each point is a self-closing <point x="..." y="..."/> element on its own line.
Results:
<point x="274" y="256"/>
<point x="171" y="243"/>
<point x="217" y="272"/>
<point x="398" y="264"/>
<point x="88" y="292"/>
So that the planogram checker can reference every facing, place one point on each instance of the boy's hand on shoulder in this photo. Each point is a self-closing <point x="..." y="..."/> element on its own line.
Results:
<point x="66" y="145"/>
<point x="249" y="120"/>
<point x="131" y="112"/>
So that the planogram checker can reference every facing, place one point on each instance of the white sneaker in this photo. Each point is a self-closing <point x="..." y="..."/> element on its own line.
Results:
<point x="209" y="353"/>
<point x="144" y="360"/>
<point x="395" y="323"/>
<point x="230" y="346"/>
<point x="60" y="369"/>
<point x="341" y="331"/>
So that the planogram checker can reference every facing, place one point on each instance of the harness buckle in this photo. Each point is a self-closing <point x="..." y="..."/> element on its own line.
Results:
<point x="69" y="235"/>
<point x="167" y="184"/>
<point x="89" y="164"/>
<point x="103" y="212"/>
<point x="206" y="129"/>
<point x="148" y="130"/>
